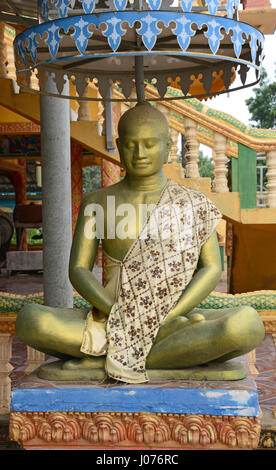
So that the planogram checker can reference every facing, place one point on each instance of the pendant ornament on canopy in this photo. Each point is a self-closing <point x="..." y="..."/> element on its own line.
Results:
<point x="200" y="49"/>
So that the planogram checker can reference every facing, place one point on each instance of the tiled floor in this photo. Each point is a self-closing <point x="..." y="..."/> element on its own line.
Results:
<point x="265" y="353"/>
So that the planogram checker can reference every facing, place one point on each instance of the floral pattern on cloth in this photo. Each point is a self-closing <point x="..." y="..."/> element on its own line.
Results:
<point x="154" y="273"/>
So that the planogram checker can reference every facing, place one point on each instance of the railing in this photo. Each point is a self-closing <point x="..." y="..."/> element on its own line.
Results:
<point x="247" y="174"/>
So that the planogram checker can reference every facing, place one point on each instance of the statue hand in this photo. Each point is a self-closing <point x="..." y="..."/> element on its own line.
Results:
<point x="195" y="317"/>
<point x="98" y="315"/>
<point x="169" y="327"/>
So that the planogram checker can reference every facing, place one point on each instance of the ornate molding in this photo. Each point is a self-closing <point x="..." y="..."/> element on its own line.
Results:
<point x="19" y="128"/>
<point x="135" y="429"/>
<point x="49" y="9"/>
<point x="7" y="323"/>
<point x="269" y="320"/>
<point x="267" y="439"/>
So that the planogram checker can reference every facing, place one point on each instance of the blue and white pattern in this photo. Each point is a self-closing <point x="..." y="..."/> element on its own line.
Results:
<point x="231" y="6"/>
<point x="90" y="6"/>
<point x="81" y="34"/>
<point x="238" y="39"/>
<point x="120" y="4"/>
<point x="212" y="6"/>
<point x="186" y="5"/>
<point x="43" y="8"/>
<point x="214" y="35"/>
<point x="155" y="4"/>
<point x="149" y="30"/>
<point x="53" y="39"/>
<point x="183" y="32"/>
<point x="32" y="45"/>
<point x="62" y="6"/>
<point x="115" y="30"/>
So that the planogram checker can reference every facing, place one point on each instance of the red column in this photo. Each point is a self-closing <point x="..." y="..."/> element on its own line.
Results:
<point x="76" y="181"/>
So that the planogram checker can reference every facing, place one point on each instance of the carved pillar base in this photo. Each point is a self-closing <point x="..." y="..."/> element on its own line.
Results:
<point x="5" y="370"/>
<point x="112" y="430"/>
<point x="251" y="357"/>
<point x="35" y="359"/>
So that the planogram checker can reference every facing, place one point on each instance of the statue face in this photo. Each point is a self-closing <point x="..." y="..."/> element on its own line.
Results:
<point x="143" y="147"/>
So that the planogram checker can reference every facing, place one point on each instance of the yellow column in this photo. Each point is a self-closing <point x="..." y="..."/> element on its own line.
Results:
<point x="271" y="177"/>
<point x="220" y="161"/>
<point x="192" y="155"/>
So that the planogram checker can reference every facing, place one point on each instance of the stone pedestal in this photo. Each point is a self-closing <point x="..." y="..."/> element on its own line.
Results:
<point x="172" y="414"/>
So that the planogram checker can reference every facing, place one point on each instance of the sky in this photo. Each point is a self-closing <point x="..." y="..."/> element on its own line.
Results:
<point x="234" y="103"/>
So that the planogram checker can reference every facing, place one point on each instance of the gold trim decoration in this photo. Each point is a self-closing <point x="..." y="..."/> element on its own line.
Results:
<point x="122" y="430"/>
<point x="7" y="323"/>
<point x="19" y="128"/>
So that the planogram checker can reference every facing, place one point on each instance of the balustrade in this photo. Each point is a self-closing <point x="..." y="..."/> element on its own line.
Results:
<point x="173" y="155"/>
<point x="271" y="177"/>
<point x="84" y="107"/>
<point x="192" y="144"/>
<point x="220" y="161"/>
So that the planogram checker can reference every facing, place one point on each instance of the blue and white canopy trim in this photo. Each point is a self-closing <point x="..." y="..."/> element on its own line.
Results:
<point x="101" y="46"/>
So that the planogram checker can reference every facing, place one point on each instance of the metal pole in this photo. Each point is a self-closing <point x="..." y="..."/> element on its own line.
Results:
<point x="56" y="197"/>
<point x="139" y="78"/>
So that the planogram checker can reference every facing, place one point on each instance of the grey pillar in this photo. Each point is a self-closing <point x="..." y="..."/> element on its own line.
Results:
<point x="56" y="197"/>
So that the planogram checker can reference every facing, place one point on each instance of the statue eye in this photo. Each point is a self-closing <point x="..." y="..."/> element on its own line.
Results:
<point x="150" y="143"/>
<point x="130" y="145"/>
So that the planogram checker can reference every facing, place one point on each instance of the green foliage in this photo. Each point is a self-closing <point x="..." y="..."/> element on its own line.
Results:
<point x="262" y="107"/>
<point x="206" y="166"/>
<point x="92" y="179"/>
<point x="30" y="240"/>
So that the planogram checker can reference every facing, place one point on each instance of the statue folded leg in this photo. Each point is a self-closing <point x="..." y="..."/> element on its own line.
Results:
<point x="204" y="336"/>
<point x="220" y="336"/>
<point x="57" y="332"/>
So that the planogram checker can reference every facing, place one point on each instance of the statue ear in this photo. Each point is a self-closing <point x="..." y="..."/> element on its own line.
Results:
<point x="118" y="143"/>
<point x="169" y="146"/>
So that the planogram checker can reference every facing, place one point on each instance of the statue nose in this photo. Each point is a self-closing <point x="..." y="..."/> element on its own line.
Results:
<point x="140" y="152"/>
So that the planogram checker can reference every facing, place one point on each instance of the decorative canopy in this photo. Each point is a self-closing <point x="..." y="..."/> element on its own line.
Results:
<point x="119" y="41"/>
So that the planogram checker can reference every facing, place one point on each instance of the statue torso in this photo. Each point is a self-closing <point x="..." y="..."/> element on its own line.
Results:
<point x="131" y="210"/>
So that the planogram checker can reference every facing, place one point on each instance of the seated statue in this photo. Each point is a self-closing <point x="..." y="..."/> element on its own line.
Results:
<point x="161" y="261"/>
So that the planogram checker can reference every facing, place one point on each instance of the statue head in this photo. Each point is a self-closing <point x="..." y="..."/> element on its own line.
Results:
<point x="143" y="141"/>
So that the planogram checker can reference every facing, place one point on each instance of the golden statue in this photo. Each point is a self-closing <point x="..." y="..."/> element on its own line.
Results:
<point x="160" y="263"/>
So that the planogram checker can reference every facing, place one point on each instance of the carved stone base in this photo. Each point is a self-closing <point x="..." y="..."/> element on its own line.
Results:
<point x="112" y="430"/>
<point x="267" y="439"/>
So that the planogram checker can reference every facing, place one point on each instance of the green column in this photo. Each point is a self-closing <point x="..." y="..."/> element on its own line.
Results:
<point x="221" y="249"/>
<point x="235" y="174"/>
<point x="247" y="177"/>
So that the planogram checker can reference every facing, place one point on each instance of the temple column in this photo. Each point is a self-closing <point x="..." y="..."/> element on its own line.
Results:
<point x="173" y="134"/>
<point x="22" y="197"/>
<point x="271" y="177"/>
<point x="220" y="161"/>
<point x="56" y="197"/>
<point x="76" y="181"/>
<point x="3" y="52"/>
<point x="35" y="359"/>
<point x="5" y="370"/>
<point x="192" y="155"/>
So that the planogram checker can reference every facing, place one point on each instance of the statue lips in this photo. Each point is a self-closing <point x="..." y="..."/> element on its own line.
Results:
<point x="141" y="163"/>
